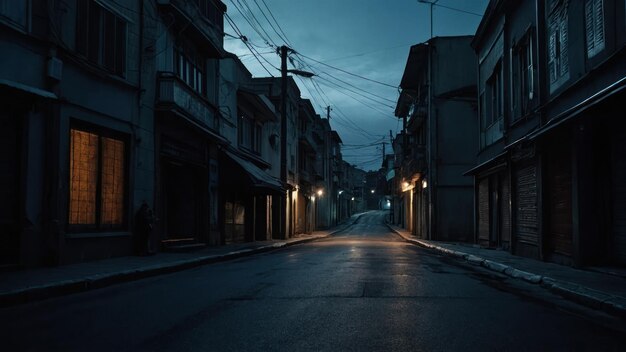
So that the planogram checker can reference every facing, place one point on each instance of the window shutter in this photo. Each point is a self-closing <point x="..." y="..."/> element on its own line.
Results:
<point x="589" y="27"/>
<point x="599" y="24"/>
<point x="552" y="54"/>
<point x="531" y="68"/>
<point x="563" y="57"/>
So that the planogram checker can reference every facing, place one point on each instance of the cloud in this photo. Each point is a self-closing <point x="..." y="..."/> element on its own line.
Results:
<point x="370" y="38"/>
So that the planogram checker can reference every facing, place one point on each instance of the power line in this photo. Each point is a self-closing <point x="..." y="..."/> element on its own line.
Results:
<point x="458" y="10"/>
<point x="244" y="40"/>
<point x="277" y="24"/>
<point x="284" y="38"/>
<point x="349" y="73"/>
<point x="368" y="52"/>
<point x="364" y="103"/>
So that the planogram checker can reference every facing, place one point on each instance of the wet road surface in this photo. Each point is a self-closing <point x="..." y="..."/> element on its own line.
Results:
<point x="363" y="289"/>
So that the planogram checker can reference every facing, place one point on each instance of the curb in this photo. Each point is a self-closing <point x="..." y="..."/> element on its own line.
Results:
<point x="614" y="305"/>
<point x="96" y="281"/>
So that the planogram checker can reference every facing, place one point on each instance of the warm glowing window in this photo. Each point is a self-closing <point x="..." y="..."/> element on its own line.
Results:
<point x="97" y="180"/>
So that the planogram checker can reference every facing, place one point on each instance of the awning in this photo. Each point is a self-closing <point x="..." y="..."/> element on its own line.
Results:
<point x="28" y="89"/>
<point x="489" y="164"/>
<point x="260" y="103"/>
<point x="258" y="178"/>
<point x="574" y="111"/>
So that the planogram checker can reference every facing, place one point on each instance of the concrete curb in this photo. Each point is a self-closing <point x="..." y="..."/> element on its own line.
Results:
<point x="611" y="304"/>
<point x="61" y="288"/>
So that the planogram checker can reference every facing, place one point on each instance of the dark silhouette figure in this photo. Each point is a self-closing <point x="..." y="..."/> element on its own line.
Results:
<point x="144" y="222"/>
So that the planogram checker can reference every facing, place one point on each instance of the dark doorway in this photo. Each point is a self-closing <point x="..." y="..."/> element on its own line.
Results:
<point x="182" y="201"/>
<point x="9" y="188"/>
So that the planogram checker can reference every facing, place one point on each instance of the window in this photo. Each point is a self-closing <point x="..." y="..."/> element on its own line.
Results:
<point x="210" y="10"/>
<point x="249" y="133"/>
<point x="190" y="67"/>
<point x="15" y="11"/>
<point x="491" y="102"/>
<point x="495" y="107"/>
<point x="522" y="76"/>
<point x="594" y="26"/>
<point x="101" y="36"/>
<point x="97" y="180"/>
<point x="558" y="61"/>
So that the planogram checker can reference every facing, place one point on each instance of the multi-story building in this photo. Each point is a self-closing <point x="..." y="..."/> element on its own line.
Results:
<point x="550" y="177"/>
<point x="127" y="128"/>
<point x="249" y="185"/>
<point x="77" y="154"/>
<point x="438" y="107"/>
<point x="186" y="42"/>
<point x="271" y="87"/>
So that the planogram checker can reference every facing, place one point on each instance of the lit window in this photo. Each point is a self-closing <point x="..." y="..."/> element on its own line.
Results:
<point x="97" y="180"/>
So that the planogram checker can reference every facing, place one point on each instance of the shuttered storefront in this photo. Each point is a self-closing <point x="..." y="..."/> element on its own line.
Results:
<point x="526" y="221"/>
<point x="483" y="211"/>
<point x="559" y="181"/>
<point x="618" y="243"/>
<point x="505" y="212"/>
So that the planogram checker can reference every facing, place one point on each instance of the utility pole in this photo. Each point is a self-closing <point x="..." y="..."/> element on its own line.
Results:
<point x="283" y="139"/>
<point x="284" y="52"/>
<point x="328" y="109"/>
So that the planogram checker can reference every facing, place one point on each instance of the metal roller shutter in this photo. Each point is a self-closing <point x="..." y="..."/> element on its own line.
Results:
<point x="526" y="224"/>
<point x="559" y="177"/>
<point x="483" y="211"/>
<point x="505" y="212"/>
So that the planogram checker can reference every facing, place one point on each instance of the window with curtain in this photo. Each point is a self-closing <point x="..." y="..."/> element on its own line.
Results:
<point x="97" y="182"/>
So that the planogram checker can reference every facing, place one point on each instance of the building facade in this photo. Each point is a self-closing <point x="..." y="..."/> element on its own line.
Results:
<point x="438" y="107"/>
<point x="549" y="180"/>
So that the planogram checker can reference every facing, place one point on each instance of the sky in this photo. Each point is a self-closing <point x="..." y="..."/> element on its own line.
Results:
<point x="357" y="50"/>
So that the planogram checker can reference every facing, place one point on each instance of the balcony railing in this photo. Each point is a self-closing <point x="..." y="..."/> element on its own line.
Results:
<point x="174" y="94"/>
<point x="205" y="16"/>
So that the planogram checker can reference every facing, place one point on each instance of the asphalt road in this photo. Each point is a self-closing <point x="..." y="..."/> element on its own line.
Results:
<point x="363" y="289"/>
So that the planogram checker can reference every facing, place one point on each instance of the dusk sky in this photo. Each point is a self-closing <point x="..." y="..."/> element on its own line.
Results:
<point x="368" y="38"/>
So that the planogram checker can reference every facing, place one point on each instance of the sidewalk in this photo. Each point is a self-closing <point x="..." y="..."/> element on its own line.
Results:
<point x="36" y="284"/>
<point x="598" y="290"/>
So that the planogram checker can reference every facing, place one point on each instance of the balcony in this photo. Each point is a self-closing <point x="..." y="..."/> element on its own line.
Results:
<point x="176" y="96"/>
<point x="417" y="116"/>
<point x="205" y="19"/>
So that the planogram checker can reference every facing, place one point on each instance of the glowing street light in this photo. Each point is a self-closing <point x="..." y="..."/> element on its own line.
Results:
<point x="320" y="192"/>
<point x="372" y="191"/>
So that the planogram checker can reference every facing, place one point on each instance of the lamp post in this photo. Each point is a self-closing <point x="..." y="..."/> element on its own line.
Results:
<point x="284" y="52"/>
<point x="431" y="3"/>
